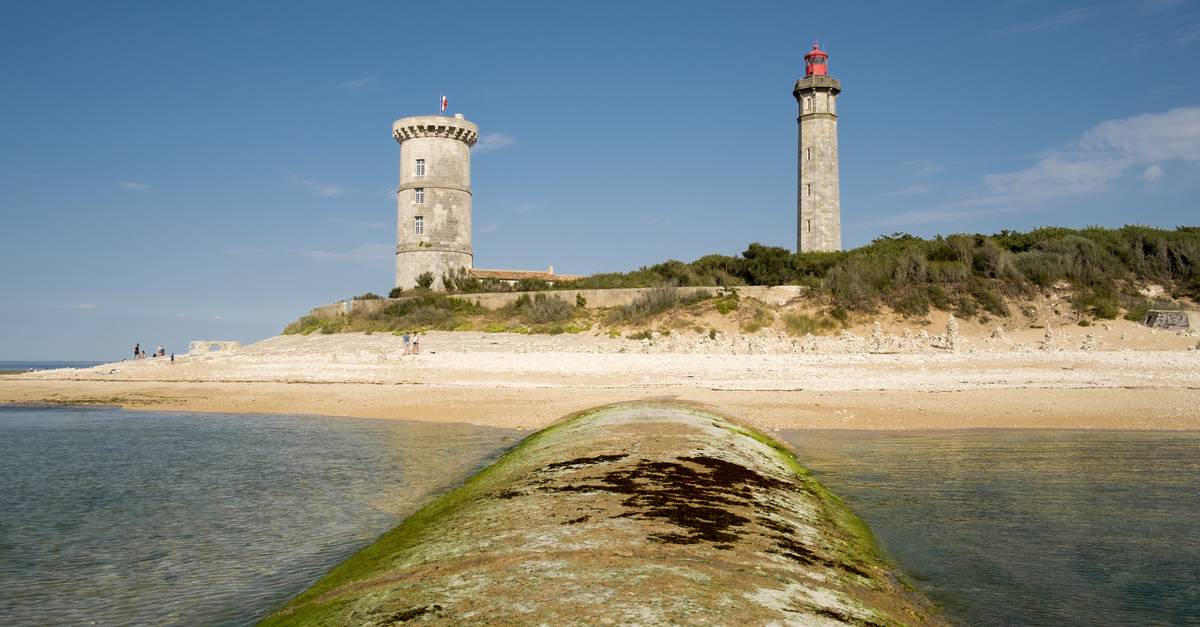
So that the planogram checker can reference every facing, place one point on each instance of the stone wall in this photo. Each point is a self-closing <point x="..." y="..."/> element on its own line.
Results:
<point x="444" y="244"/>
<point x="772" y="295"/>
<point x="1172" y="320"/>
<point x="204" y="346"/>
<point x="818" y="205"/>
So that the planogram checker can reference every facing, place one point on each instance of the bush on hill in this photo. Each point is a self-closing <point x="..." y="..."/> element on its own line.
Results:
<point x="963" y="273"/>
<point x="970" y="275"/>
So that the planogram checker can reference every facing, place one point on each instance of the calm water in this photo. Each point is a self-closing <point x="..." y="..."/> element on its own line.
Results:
<point x="1030" y="527"/>
<point x="25" y="366"/>
<point x="114" y="517"/>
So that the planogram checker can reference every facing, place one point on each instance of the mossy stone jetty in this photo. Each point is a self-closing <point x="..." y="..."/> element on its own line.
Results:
<point x="647" y="513"/>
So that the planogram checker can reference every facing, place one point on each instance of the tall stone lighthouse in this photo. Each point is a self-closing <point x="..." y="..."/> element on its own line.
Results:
<point x="433" y="204"/>
<point x="818" y="203"/>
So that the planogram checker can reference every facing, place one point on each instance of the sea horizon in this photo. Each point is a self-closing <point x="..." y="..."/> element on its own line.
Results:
<point x="24" y="365"/>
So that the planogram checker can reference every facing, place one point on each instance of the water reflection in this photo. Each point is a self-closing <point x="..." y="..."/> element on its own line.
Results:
<point x="114" y="517"/>
<point x="1030" y="527"/>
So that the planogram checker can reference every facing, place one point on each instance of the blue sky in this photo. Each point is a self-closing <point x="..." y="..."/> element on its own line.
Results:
<point x="177" y="171"/>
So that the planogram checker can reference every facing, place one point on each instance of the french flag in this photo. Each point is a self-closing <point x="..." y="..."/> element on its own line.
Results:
<point x="444" y="102"/>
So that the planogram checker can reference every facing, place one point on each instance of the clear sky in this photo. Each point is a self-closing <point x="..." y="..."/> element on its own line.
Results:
<point x="173" y="171"/>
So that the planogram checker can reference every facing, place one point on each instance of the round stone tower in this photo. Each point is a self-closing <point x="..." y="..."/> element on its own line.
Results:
<point x="818" y="203"/>
<point x="433" y="204"/>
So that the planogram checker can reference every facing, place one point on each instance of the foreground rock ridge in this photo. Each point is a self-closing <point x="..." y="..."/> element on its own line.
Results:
<point x="647" y="513"/>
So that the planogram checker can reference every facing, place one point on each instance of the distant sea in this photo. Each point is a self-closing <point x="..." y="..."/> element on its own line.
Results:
<point x="25" y="366"/>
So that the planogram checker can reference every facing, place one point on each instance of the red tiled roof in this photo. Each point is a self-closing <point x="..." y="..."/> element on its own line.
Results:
<point x="517" y="275"/>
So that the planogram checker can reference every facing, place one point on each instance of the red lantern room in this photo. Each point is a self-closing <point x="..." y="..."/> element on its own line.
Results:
<point x="816" y="62"/>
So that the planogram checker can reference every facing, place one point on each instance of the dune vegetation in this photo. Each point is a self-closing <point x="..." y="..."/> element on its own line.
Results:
<point x="1108" y="272"/>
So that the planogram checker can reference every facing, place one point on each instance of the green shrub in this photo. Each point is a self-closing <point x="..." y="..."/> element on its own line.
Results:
<point x="985" y="293"/>
<point x="580" y="301"/>
<point x="760" y="319"/>
<point x="640" y="335"/>
<point x="726" y="301"/>
<point x="396" y="292"/>
<point x="312" y="324"/>
<point x="542" y="309"/>
<point x="962" y="272"/>
<point x="648" y="304"/>
<point x="425" y="280"/>
<point x="461" y="281"/>
<point x="1137" y="312"/>
<point x="368" y="296"/>
<point x="1101" y="303"/>
<point x="850" y="288"/>
<point x="799" y="324"/>
<point x="965" y="307"/>
<point x="911" y="302"/>
<point x="531" y="285"/>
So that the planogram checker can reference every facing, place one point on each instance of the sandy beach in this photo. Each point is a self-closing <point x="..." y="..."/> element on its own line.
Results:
<point x="773" y="382"/>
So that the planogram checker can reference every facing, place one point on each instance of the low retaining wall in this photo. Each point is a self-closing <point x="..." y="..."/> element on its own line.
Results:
<point x="616" y="297"/>
<point x="1172" y="320"/>
<point x="204" y="346"/>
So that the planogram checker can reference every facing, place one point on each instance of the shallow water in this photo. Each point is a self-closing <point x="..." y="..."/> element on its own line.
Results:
<point x="26" y="366"/>
<point x="113" y="517"/>
<point x="1006" y="527"/>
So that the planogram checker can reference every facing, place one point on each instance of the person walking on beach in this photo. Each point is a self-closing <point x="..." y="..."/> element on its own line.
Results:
<point x="137" y="350"/>
<point x="407" y="345"/>
<point x="416" y="344"/>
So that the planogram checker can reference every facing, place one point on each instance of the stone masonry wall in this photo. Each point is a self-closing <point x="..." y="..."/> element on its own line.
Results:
<point x="818" y="196"/>
<point x="773" y="295"/>
<point x="444" y="244"/>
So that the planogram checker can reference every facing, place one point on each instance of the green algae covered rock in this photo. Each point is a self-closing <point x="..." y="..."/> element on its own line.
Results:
<point x="649" y="513"/>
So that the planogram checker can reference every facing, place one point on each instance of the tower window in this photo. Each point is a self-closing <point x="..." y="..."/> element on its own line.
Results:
<point x="808" y="188"/>
<point x="419" y="225"/>
<point x="810" y="153"/>
<point x="419" y="170"/>
<point x="420" y="195"/>
<point x="809" y="225"/>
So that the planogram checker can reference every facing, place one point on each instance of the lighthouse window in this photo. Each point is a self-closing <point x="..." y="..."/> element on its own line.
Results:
<point x="808" y="188"/>
<point x="420" y="195"/>
<point x="419" y="225"/>
<point x="810" y="154"/>
<point x="420" y="169"/>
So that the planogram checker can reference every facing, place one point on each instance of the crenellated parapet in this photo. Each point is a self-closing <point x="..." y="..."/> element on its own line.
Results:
<point x="438" y="126"/>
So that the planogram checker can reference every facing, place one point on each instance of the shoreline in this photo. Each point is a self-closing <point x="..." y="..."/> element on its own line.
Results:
<point x="525" y="382"/>
<point x="1154" y="409"/>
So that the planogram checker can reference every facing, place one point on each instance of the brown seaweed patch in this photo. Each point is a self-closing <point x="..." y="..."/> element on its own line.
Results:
<point x="799" y="552"/>
<point x="694" y="493"/>
<point x="584" y="461"/>
<point x="576" y="521"/>
<point x="412" y="613"/>
<point x="843" y="617"/>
